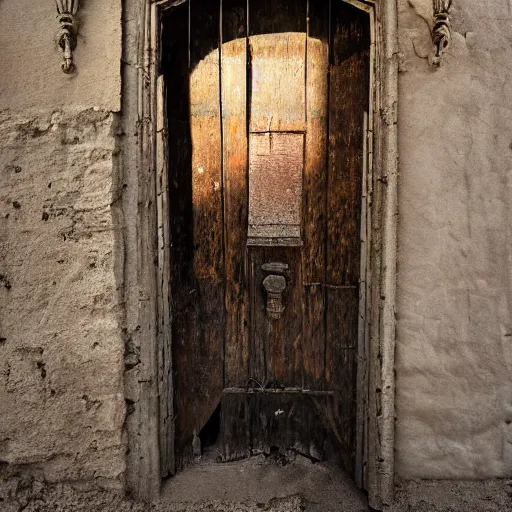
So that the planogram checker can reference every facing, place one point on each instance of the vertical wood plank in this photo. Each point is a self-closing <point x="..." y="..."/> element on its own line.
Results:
<point x="235" y="427"/>
<point x="349" y="75"/>
<point x="175" y="64"/>
<point x="315" y="190"/>
<point x="166" y="404"/>
<point x="348" y="102"/>
<point x="197" y="223"/>
<point x="234" y="118"/>
<point x="208" y="262"/>
<point x="277" y="65"/>
<point x="340" y="375"/>
<point x="276" y="345"/>
<point x="275" y="16"/>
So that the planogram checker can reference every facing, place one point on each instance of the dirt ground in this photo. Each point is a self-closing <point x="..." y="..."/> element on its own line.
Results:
<point x="453" y="496"/>
<point x="268" y="484"/>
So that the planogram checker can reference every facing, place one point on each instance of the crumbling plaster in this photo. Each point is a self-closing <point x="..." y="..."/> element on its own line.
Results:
<point x="61" y="314"/>
<point x="454" y="340"/>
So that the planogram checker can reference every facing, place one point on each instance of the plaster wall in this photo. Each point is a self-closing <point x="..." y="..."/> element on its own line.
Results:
<point x="454" y="341"/>
<point x="61" y="339"/>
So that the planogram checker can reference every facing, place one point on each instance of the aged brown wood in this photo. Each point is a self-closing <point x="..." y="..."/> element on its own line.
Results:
<point x="197" y="222"/>
<point x="276" y="345"/>
<point x="166" y="402"/>
<point x="234" y="118"/>
<point x="278" y="74"/>
<point x="265" y="174"/>
<point x="276" y="162"/>
<point x="348" y="94"/>
<point x="176" y="67"/>
<point x="287" y="421"/>
<point x="340" y="375"/>
<point x="277" y="16"/>
<point x="208" y="229"/>
<point x="235" y="443"/>
<point x="277" y="65"/>
<point x="348" y="102"/>
<point x="315" y="190"/>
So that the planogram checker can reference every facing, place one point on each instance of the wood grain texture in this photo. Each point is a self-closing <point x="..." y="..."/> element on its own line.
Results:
<point x="277" y="16"/>
<point x="198" y="262"/>
<point x="235" y="443"/>
<point x="350" y="44"/>
<point x="276" y="345"/>
<point x="315" y="194"/>
<point x="165" y="384"/>
<point x="175" y="66"/>
<point x="234" y="119"/>
<point x="277" y="82"/>
<point x="348" y="102"/>
<point x="284" y="421"/>
<point x="208" y="262"/>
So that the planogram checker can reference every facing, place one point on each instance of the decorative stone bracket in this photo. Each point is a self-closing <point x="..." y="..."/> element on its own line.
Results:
<point x="274" y="286"/>
<point x="67" y="36"/>
<point x="441" y="33"/>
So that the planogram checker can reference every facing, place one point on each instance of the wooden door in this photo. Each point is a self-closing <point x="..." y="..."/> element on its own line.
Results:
<point x="265" y="106"/>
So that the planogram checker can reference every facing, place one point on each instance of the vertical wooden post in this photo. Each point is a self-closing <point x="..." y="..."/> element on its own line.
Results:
<point x="166" y="398"/>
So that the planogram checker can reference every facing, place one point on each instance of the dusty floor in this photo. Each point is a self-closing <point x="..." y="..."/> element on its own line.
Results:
<point x="454" y="496"/>
<point x="264" y="484"/>
<point x="321" y="487"/>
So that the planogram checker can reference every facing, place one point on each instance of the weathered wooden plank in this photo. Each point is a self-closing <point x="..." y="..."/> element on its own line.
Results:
<point x="235" y="441"/>
<point x="277" y="66"/>
<point x="282" y="422"/>
<point x="234" y="118"/>
<point x="315" y="193"/>
<point x="166" y="405"/>
<point x="175" y="66"/>
<point x="198" y="296"/>
<point x="348" y="102"/>
<point x="208" y="263"/>
<point x="274" y="16"/>
<point x="276" y="162"/>
<point x="270" y="425"/>
<point x="276" y="344"/>
<point x="277" y="82"/>
<point x="348" y="93"/>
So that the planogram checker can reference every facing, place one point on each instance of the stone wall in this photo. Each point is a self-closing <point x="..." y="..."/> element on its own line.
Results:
<point x="454" y="352"/>
<point x="61" y="343"/>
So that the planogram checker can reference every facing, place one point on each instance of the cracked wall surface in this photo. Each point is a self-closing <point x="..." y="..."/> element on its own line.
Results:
<point x="61" y="339"/>
<point x="454" y="346"/>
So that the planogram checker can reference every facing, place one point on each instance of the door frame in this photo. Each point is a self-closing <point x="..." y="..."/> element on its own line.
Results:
<point x="145" y="267"/>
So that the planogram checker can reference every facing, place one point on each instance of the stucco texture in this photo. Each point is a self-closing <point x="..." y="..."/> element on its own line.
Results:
<point x="30" y="58"/>
<point x="61" y="339"/>
<point x="454" y="341"/>
<point x="61" y="348"/>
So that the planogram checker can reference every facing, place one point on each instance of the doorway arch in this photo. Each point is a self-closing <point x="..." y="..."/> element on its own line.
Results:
<point x="152" y="421"/>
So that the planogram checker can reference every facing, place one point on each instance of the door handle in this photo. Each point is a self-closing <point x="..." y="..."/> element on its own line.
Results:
<point x="274" y="286"/>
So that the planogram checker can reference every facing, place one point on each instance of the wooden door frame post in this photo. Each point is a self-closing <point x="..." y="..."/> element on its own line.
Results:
<point x="147" y="303"/>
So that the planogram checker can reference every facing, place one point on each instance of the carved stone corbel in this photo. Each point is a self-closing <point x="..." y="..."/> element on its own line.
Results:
<point x="274" y="286"/>
<point x="441" y="33"/>
<point x="67" y="36"/>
